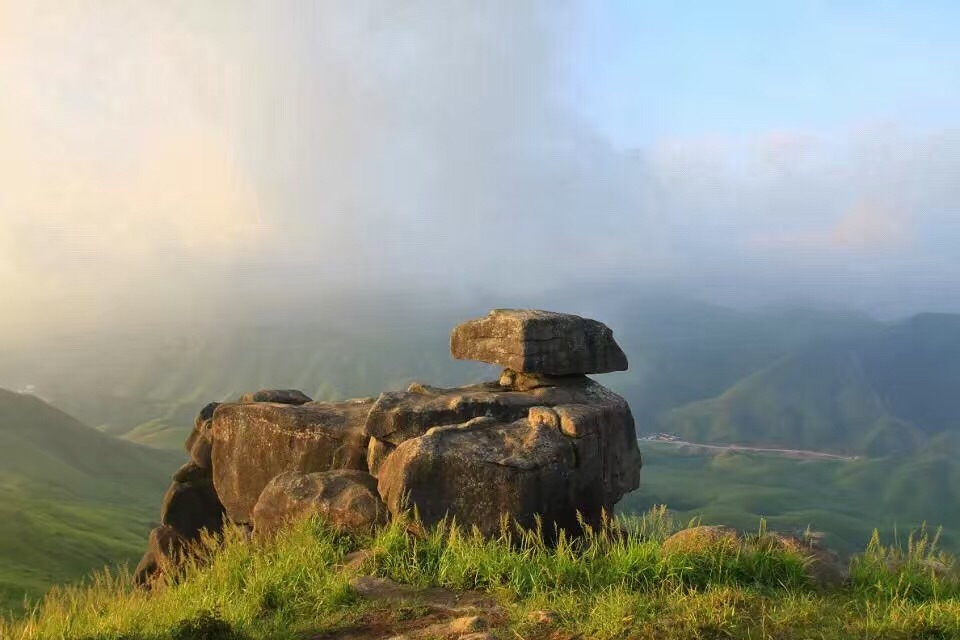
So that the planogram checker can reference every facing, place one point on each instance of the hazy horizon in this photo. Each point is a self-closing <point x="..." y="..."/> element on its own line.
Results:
<point x="190" y="160"/>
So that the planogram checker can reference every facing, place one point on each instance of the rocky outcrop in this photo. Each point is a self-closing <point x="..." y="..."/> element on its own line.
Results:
<point x="535" y="341"/>
<point x="543" y="442"/>
<point x="199" y="443"/>
<point x="348" y="500"/>
<point x="189" y="508"/>
<point x="191" y="504"/>
<point x="255" y="442"/>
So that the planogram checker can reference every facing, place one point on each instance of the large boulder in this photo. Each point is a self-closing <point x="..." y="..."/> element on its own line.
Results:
<point x="191" y="504"/>
<point x="346" y="499"/>
<point x="481" y="470"/>
<point x="278" y="396"/>
<point x="485" y="451"/>
<point x="534" y="341"/>
<point x="542" y="443"/>
<point x="255" y="442"/>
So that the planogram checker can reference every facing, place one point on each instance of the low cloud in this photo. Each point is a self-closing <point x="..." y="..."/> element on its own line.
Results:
<point x="163" y="160"/>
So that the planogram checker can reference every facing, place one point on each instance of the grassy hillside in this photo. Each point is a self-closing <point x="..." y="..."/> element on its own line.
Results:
<point x="845" y="500"/>
<point x="71" y="498"/>
<point x="883" y="393"/>
<point x="302" y="585"/>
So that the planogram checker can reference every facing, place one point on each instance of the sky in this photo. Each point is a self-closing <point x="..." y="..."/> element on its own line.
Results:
<point x="180" y="159"/>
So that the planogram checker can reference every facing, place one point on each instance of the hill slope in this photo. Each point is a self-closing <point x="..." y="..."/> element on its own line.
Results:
<point x="886" y="392"/>
<point x="72" y="499"/>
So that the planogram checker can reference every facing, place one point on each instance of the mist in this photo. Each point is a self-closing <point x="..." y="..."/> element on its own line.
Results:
<point x="200" y="161"/>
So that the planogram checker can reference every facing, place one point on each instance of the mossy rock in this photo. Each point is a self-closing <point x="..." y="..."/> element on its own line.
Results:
<point x="701" y="539"/>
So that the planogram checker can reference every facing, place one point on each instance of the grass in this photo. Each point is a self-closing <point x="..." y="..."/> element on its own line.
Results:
<point x="615" y="583"/>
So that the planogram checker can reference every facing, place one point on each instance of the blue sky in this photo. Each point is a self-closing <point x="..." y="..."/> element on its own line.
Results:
<point x="650" y="69"/>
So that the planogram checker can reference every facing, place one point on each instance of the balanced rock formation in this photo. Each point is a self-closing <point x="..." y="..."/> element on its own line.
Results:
<point x="542" y="442"/>
<point x="534" y="341"/>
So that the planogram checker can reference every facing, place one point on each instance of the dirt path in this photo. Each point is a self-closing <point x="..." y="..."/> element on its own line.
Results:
<point x="407" y="613"/>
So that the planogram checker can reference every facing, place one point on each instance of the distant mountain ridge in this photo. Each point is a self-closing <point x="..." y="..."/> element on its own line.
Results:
<point x="885" y="392"/>
<point x="147" y="385"/>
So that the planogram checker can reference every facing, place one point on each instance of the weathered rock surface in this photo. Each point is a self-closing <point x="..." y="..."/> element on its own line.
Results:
<point x="534" y="341"/>
<point x="397" y="416"/>
<point x="191" y="504"/>
<point x="481" y="470"/>
<point x="166" y="546"/>
<point x="346" y="499"/>
<point x="255" y="442"/>
<point x="277" y="396"/>
<point x="199" y="443"/>
<point x="488" y="451"/>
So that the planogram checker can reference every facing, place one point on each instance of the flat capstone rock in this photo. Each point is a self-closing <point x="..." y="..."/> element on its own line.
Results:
<point x="541" y="342"/>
